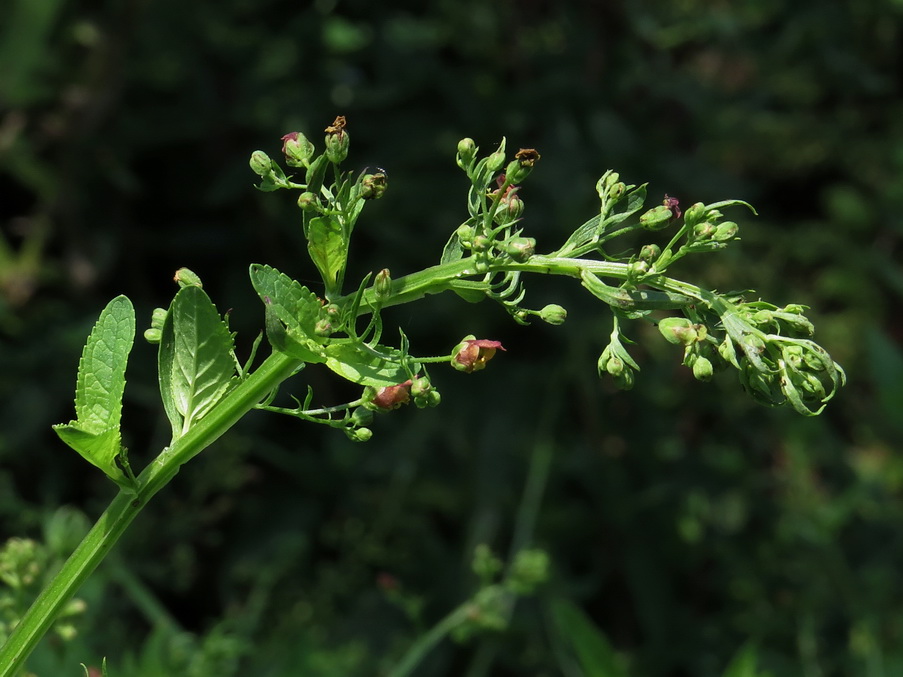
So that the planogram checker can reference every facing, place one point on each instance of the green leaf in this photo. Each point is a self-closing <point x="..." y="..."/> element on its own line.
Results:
<point x="328" y="249"/>
<point x="453" y="251"/>
<point x="361" y="364"/>
<point x="290" y="305"/>
<point x="98" y="393"/>
<point x="592" y="649"/>
<point x="202" y="368"/>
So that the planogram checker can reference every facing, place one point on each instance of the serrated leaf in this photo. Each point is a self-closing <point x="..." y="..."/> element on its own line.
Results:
<point x="365" y="366"/>
<point x="99" y="389"/>
<point x="202" y="368"/>
<point x="294" y="306"/>
<point x="101" y="370"/>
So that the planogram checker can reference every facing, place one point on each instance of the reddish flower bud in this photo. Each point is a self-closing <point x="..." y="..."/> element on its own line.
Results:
<point x="392" y="397"/>
<point x="672" y="203"/>
<point x="472" y="354"/>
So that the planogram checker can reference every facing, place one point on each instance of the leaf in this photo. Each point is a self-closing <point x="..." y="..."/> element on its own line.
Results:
<point x="99" y="388"/>
<point x="295" y="307"/>
<point x="453" y="251"/>
<point x="202" y="368"/>
<point x="594" y="653"/>
<point x="328" y="248"/>
<point x="363" y="365"/>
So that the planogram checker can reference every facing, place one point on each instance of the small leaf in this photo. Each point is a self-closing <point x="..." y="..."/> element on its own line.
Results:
<point x="453" y="251"/>
<point x="363" y="365"/>
<point x="98" y="393"/>
<point x="202" y="367"/>
<point x="328" y="249"/>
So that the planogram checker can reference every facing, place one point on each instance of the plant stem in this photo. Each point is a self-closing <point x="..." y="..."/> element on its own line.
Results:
<point x="125" y="507"/>
<point x="427" y="641"/>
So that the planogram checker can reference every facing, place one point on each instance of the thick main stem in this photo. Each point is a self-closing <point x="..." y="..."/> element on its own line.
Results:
<point x="125" y="507"/>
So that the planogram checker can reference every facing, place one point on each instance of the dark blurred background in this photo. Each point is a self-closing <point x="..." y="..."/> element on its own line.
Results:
<point x="685" y="520"/>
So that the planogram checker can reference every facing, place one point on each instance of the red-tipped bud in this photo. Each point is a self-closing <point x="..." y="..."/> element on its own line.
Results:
<point x="297" y="148"/>
<point x="392" y="397"/>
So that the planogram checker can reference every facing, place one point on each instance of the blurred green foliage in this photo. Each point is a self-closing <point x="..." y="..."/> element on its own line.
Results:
<point x="682" y="521"/>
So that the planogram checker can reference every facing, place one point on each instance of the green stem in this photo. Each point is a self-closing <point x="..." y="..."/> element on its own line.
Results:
<point x="428" y="640"/>
<point x="125" y="507"/>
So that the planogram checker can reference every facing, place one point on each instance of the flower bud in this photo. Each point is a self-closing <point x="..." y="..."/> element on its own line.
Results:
<point x="616" y="190"/>
<point x="297" y="148"/>
<point x="625" y="379"/>
<point x="467" y="150"/>
<point x="656" y="218"/>
<point x="702" y="369"/>
<point x="481" y="243"/>
<point x="323" y="327"/>
<point x="694" y="214"/>
<point x="359" y="434"/>
<point x="158" y="317"/>
<point x="495" y="161"/>
<point x="650" y="253"/>
<point x="153" y="335"/>
<point x="614" y="365"/>
<point x="382" y="284"/>
<point x="420" y="391"/>
<point x="703" y="231"/>
<point x="553" y="314"/>
<point x="472" y="354"/>
<point x="361" y="416"/>
<point x="187" y="278"/>
<point x="725" y="231"/>
<point x="260" y="163"/>
<point x="679" y="330"/>
<point x="465" y="234"/>
<point x="337" y="141"/>
<point x="513" y="205"/>
<point x="519" y="248"/>
<point x="373" y="185"/>
<point x="308" y="201"/>
<point x="530" y="568"/>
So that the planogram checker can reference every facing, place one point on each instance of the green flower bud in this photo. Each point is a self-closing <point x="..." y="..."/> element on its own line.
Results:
<point x="337" y="141"/>
<point x="553" y="314"/>
<point x="656" y="218"/>
<point x="650" y="253"/>
<point x="495" y="161"/>
<point x="694" y="214"/>
<point x="158" y="317"/>
<point x="186" y="278"/>
<point x="153" y="335"/>
<point x="725" y="231"/>
<point x="702" y="369"/>
<point x="616" y="190"/>
<point x="530" y="568"/>
<point x="481" y="243"/>
<point x="467" y="151"/>
<point x="359" y="434"/>
<point x="485" y="564"/>
<point x="382" y="285"/>
<point x="323" y="327"/>
<point x="465" y="234"/>
<point x="679" y="330"/>
<point x="625" y="380"/>
<point x="421" y="387"/>
<point x="373" y="185"/>
<point x="703" y="231"/>
<point x="297" y="148"/>
<point x="261" y="164"/>
<point x="519" y="248"/>
<point x="513" y="206"/>
<point x="361" y="417"/>
<point x="615" y="366"/>
<point x="433" y="398"/>
<point x="308" y="201"/>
